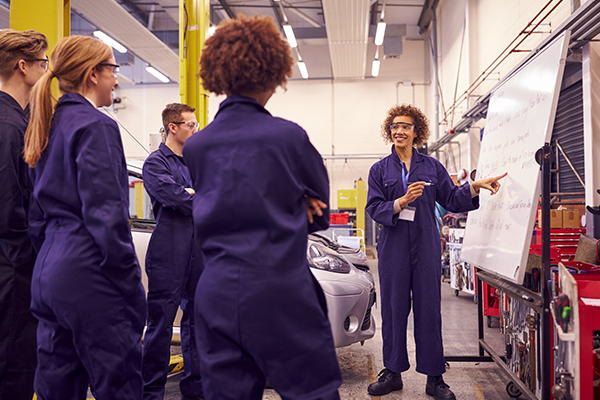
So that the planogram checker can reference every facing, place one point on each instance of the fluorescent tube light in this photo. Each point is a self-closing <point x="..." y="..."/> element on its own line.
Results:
<point x="289" y="33"/>
<point x="303" y="70"/>
<point x="110" y="41"/>
<point x="375" y="68"/>
<point x="380" y="33"/>
<point x="152" y="71"/>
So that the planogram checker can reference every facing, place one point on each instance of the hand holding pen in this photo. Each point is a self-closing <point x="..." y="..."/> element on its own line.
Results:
<point x="424" y="183"/>
<point x="413" y="192"/>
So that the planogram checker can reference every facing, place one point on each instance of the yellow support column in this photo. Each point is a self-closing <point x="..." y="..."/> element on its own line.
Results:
<point x="194" y="20"/>
<point x="50" y="17"/>
<point x="361" y="204"/>
<point x="138" y="205"/>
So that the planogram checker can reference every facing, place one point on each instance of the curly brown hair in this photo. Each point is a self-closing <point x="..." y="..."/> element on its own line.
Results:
<point x="419" y="120"/>
<point x="245" y="55"/>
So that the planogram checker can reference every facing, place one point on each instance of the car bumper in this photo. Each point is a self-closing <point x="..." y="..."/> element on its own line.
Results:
<point x="349" y="307"/>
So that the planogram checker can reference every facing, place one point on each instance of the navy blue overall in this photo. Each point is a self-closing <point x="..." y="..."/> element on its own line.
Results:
<point x="86" y="288"/>
<point x="171" y="279"/>
<point x="17" y="257"/>
<point x="260" y="313"/>
<point x="409" y="254"/>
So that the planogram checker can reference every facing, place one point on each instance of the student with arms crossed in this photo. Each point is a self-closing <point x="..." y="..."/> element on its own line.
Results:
<point x="172" y="277"/>
<point x="260" y="186"/>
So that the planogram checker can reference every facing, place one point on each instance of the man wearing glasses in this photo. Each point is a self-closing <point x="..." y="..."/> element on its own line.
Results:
<point x="170" y="264"/>
<point x="22" y="63"/>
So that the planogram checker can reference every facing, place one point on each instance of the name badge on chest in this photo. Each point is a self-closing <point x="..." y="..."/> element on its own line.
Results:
<point x="408" y="214"/>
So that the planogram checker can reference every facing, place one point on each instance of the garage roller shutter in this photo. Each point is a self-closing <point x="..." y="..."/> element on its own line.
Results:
<point x="568" y="131"/>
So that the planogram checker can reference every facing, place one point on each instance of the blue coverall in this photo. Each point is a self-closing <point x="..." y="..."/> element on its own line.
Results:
<point x="410" y="257"/>
<point x="260" y="313"/>
<point x="17" y="257"/>
<point x="86" y="288"/>
<point x="171" y="279"/>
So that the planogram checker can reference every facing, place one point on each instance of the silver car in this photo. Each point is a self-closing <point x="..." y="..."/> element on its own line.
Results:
<point x="343" y="273"/>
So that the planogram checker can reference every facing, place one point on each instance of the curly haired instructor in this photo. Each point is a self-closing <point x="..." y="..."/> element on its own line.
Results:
<point x="86" y="289"/>
<point x="260" y="313"/>
<point x="403" y="190"/>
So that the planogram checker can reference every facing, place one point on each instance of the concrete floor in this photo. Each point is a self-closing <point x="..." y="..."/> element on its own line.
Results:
<point x="469" y="381"/>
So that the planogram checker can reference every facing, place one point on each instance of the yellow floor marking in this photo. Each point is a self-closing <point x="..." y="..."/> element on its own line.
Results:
<point x="479" y="392"/>
<point x="372" y="374"/>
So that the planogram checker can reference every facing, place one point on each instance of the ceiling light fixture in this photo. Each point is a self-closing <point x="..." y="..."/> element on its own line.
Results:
<point x="289" y="33"/>
<point x="301" y="65"/>
<point x="110" y="41"/>
<point x="376" y="64"/>
<point x="375" y="68"/>
<point x="155" y="73"/>
<point x="303" y="70"/>
<point x="380" y="33"/>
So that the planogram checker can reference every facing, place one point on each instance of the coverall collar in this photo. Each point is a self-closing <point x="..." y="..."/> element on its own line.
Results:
<point x="240" y="100"/>
<point x="12" y="103"/>
<point x="166" y="151"/>
<point x="415" y="161"/>
<point x="73" y="97"/>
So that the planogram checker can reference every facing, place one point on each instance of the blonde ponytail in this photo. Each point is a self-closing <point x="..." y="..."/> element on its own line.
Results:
<point x="72" y="60"/>
<point x="40" y="103"/>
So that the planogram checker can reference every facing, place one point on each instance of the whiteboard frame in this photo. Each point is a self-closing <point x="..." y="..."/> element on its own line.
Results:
<point x="472" y="249"/>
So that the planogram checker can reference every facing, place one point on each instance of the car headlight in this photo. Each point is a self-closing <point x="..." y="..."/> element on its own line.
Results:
<point x="321" y="257"/>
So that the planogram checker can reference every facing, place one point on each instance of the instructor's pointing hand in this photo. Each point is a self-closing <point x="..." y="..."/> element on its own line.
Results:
<point x="490" y="184"/>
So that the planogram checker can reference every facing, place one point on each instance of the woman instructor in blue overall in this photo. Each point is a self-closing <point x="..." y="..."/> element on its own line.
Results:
<point x="260" y="313"/>
<point x="403" y="190"/>
<point x="86" y="287"/>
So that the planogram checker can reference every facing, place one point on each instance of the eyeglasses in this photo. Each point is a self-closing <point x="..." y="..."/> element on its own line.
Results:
<point x="190" y="124"/>
<point x="43" y="62"/>
<point x="402" y="126"/>
<point x="115" y="68"/>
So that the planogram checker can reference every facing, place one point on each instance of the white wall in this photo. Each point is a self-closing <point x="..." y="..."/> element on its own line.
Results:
<point x="491" y="26"/>
<point x="343" y="117"/>
<point x="142" y="114"/>
<point x="591" y="129"/>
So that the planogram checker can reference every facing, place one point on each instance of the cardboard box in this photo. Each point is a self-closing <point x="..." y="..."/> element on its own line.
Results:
<point x="570" y="218"/>
<point x="556" y="219"/>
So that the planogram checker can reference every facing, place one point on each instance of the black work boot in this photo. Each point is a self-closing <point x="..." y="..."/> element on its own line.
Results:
<point x="388" y="381"/>
<point x="437" y="388"/>
<point x="199" y="397"/>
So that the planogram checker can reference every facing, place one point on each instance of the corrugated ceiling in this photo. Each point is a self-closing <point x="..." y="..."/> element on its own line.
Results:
<point x="347" y="24"/>
<point x="118" y="23"/>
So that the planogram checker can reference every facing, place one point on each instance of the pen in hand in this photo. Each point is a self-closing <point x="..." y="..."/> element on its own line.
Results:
<point x="424" y="183"/>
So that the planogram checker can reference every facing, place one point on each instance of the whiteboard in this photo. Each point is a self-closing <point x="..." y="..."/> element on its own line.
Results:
<point x="519" y="121"/>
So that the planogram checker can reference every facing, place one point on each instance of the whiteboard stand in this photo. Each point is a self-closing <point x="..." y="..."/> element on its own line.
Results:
<point x="539" y="302"/>
<point x="545" y="285"/>
<point x="519" y="124"/>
